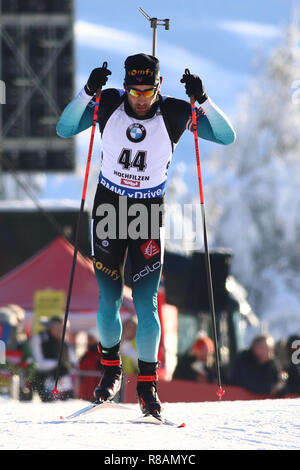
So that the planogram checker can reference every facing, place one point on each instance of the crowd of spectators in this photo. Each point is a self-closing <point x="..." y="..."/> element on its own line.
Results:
<point x="265" y="367"/>
<point x="33" y="358"/>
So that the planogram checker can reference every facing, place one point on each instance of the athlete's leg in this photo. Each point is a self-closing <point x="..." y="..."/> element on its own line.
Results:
<point x="109" y="254"/>
<point x="146" y="257"/>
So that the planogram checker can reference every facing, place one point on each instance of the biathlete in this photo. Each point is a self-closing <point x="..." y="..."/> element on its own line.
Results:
<point x="140" y="129"/>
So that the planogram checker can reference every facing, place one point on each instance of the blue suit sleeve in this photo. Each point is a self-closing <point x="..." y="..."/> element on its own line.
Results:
<point x="213" y="124"/>
<point x="77" y="116"/>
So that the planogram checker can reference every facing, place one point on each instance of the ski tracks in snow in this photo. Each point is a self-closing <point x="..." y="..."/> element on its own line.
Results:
<point x="236" y="425"/>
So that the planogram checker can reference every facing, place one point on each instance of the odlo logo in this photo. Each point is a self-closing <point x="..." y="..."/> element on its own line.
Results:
<point x="113" y="273"/>
<point x="144" y="272"/>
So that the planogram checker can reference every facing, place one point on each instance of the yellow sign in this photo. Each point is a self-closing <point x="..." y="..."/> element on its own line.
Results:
<point x="47" y="303"/>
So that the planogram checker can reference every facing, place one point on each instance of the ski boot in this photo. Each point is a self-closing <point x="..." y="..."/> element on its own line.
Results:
<point x="111" y="380"/>
<point x="146" y="389"/>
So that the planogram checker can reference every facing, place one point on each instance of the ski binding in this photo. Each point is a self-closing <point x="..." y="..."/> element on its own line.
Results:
<point x="157" y="419"/>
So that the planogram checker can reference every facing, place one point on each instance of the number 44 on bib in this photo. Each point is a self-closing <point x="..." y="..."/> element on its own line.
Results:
<point x="139" y="160"/>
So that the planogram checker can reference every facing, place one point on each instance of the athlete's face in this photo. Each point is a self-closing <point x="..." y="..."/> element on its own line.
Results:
<point x="140" y="104"/>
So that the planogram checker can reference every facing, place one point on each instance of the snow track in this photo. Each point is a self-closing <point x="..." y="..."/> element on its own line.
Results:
<point x="237" y="425"/>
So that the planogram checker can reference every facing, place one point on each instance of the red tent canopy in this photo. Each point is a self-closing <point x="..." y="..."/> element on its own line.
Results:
<point x="51" y="269"/>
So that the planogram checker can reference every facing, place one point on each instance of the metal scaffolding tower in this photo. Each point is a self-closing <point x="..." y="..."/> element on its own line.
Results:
<point x="37" y="68"/>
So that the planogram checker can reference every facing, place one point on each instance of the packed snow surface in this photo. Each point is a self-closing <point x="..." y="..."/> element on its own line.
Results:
<point x="237" y="425"/>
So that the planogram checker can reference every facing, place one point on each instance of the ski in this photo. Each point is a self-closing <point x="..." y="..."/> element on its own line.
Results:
<point x="150" y="419"/>
<point x="158" y="421"/>
<point x="94" y="407"/>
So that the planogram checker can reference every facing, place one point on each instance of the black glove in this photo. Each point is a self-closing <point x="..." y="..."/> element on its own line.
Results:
<point x="194" y="87"/>
<point x="96" y="80"/>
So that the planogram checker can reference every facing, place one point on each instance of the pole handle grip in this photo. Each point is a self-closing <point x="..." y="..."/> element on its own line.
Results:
<point x="192" y="98"/>
<point x="98" y="92"/>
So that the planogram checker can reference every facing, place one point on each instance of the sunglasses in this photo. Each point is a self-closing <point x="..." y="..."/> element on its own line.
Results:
<point x="146" y="93"/>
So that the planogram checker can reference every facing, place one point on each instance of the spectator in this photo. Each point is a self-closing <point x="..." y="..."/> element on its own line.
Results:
<point x="197" y="363"/>
<point x="20" y="316"/>
<point x="128" y="346"/>
<point x="256" y="369"/>
<point x="18" y="356"/>
<point x="45" y="348"/>
<point x="281" y="354"/>
<point x="293" y="369"/>
<point x="89" y="366"/>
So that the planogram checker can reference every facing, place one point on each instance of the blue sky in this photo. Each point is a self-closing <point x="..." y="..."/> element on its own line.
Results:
<point x="218" y="40"/>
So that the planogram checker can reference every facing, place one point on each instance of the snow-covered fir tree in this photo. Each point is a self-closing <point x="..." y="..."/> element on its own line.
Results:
<point x="257" y="183"/>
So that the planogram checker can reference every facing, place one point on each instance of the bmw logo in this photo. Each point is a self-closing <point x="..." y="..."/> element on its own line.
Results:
<point x="136" y="133"/>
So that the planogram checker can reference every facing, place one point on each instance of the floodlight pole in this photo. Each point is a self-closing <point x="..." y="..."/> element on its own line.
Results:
<point x="154" y="22"/>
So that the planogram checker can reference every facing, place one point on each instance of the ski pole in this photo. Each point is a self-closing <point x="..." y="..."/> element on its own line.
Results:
<point x="220" y="391"/>
<point x="55" y="391"/>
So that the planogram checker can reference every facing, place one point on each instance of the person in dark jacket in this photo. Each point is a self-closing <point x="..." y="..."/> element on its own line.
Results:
<point x="45" y="348"/>
<point x="197" y="364"/>
<point x="256" y="369"/>
<point x="293" y="369"/>
<point x="89" y="366"/>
